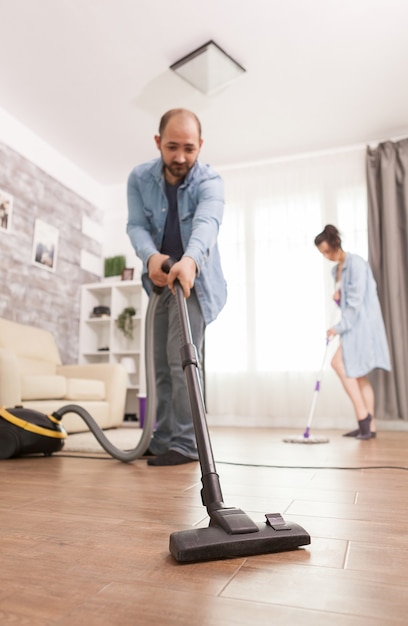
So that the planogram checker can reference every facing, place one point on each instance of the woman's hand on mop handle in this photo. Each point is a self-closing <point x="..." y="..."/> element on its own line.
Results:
<point x="184" y="271"/>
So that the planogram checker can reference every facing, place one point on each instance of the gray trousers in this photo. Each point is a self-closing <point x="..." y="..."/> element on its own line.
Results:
<point x="175" y="429"/>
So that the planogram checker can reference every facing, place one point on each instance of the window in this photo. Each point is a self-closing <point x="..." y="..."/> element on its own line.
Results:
<point x="279" y="286"/>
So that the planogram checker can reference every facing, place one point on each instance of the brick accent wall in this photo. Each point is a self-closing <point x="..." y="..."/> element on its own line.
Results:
<point x="30" y="294"/>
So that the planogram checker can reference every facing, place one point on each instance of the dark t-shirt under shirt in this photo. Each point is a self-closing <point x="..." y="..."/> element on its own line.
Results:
<point x="172" y="244"/>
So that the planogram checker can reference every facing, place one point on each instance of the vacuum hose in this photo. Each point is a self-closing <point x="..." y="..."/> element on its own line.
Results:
<point x="127" y="456"/>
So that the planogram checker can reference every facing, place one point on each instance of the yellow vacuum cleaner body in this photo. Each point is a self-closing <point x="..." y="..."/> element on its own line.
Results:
<point x="24" y="431"/>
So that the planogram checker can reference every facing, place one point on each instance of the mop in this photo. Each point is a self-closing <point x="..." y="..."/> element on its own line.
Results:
<point x="306" y="438"/>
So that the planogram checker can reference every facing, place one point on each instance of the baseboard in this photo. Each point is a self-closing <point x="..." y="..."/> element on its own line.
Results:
<point x="297" y="423"/>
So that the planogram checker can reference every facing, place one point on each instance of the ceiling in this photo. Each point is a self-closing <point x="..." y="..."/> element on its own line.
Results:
<point x="92" y="77"/>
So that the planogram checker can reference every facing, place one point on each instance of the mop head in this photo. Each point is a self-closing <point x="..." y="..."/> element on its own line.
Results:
<point x="303" y="439"/>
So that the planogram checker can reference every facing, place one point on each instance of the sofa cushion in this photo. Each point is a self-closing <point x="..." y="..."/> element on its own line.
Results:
<point x="34" y="367"/>
<point x="29" y="342"/>
<point x="43" y="387"/>
<point x="84" y="389"/>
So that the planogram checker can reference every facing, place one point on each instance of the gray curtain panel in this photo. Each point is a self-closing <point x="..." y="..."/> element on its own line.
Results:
<point x="387" y="183"/>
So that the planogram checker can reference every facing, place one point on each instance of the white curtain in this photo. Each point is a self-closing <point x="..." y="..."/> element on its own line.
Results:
<point x="264" y="352"/>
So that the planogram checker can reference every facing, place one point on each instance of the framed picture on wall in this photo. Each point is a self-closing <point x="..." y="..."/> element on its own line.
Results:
<point x="6" y="208"/>
<point x="45" y="245"/>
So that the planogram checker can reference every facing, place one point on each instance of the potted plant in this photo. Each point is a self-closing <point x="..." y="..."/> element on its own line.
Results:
<point x="114" y="266"/>
<point x="125" y="321"/>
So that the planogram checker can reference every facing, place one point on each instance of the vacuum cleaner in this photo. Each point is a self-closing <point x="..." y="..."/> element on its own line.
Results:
<point x="231" y="532"/>
<point x="24" y="431"/>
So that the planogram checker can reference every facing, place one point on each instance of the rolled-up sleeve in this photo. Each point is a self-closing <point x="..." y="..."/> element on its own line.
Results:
<point x="138" y="226"/>
<point x="353" y="289"/>
<point x="206" y="221"/>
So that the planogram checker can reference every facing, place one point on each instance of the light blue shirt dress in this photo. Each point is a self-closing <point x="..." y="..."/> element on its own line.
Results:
<point x="361" y="327"/>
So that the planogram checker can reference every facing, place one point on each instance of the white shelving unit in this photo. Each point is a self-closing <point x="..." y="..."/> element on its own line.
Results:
<point x="100" y="341"/>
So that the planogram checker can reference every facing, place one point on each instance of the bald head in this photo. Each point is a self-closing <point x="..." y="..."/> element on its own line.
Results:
<point x="179" y="143"/>
<point x="183" y="114"/>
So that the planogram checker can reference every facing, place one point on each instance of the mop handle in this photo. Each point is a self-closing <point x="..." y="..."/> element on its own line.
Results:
<point x="316" y="390"/>
<point x="317" y="387"/>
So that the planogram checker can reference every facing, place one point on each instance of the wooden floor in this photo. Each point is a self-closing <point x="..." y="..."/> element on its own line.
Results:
<point x="84" y="541"/>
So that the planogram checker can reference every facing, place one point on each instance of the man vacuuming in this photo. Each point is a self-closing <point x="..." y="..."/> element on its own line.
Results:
<point x="175" y="209"/>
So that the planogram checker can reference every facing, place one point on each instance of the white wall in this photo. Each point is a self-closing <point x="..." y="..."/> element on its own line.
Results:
<point x="116" y="240"/>
<point x="32" y="147"/>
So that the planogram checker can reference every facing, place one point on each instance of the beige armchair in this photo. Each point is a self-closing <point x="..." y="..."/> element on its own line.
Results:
<point x="32" y="375"/>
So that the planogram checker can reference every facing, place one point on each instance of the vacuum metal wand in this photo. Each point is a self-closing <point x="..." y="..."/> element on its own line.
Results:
<point x="231" y="519"/>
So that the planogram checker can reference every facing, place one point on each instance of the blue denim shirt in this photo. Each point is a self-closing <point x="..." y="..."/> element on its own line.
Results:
<point x="200" y="208"/>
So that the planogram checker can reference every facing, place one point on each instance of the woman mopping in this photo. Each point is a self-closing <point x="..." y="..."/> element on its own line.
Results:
<point x="363" y="342"/>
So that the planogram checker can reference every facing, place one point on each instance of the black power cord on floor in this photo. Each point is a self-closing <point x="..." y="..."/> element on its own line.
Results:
<point x="314" y="467"/>
<point x="102" y="457"/>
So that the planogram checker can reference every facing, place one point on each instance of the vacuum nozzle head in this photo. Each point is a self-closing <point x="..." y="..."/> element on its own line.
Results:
<point x="213" y="543"/>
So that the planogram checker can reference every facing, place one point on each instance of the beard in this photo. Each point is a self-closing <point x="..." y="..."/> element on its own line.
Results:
<point x="178" y="170"/>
